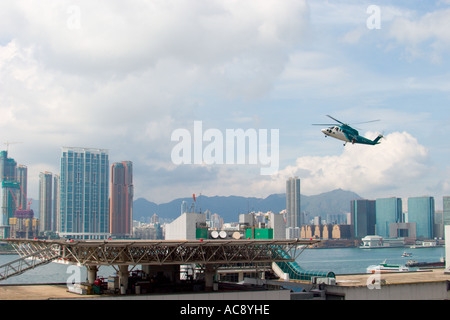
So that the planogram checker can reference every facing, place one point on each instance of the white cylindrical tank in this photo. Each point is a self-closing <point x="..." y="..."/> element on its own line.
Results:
<point x="214" y="234"/>
<point x="236" y="235"/>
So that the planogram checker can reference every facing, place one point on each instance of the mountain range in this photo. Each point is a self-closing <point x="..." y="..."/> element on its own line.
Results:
<point x="229" y="207"/>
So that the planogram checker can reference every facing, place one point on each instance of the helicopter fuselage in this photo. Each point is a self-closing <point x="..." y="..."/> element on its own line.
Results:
<point x="344" y="133"/>
<point x="348" y="134"/>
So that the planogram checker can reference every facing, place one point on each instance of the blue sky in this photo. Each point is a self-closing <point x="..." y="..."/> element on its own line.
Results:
<point x="124" y="75"/>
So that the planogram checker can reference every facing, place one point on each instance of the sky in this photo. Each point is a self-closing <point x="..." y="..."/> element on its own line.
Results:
<point x="125" y="75"/>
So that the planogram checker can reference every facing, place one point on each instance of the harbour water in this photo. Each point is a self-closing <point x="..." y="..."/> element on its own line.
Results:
<point x="355" y="260"/>
<point x="338" y="260"/>
<point x="52" y="273"/>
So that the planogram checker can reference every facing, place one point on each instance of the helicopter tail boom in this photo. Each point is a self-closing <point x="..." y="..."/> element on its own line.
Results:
<point x="377" y="140"/>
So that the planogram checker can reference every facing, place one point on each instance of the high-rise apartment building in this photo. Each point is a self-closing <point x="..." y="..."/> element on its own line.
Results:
<point x="84" y="193"/>
<point x="56" y="202"/>
<point x="388" y="210"/>
<point x="121" y="202"/>
<point x="421" y="210"/>
<point x="8" y="167"/>
<point x="45" y="201"/>
<point x="363" y="217"/>
<point x="22" y="178"/>
<point x="293" y="217"/>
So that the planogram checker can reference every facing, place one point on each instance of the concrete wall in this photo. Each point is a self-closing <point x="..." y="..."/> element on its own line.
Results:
<point x="184" y="227"/>
<point x="276" y="222"/>
<point x="409" y="291"/>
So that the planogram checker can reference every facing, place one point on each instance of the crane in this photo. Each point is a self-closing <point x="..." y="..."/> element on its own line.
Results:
<point x="7" y="143"/>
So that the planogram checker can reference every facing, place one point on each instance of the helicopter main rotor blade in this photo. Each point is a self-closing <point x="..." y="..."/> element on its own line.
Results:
<point x="323" y="124"/>
<point x="366" y="122"/>
<point x="335" y="119"/>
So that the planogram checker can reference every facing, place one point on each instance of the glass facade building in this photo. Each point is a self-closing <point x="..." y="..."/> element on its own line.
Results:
<point x="446" y="211"/>
<point x="9" y="192"/>
<point x="388" y="210"/>
<point x="84" y="193"/>
<point x="421" y="211"/>
<point x="363" y="217"/>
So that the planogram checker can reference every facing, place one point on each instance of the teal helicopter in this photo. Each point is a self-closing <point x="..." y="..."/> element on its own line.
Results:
<point x="343" y="131"/>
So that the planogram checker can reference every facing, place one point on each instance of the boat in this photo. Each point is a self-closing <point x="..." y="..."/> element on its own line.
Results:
<point x="435" y="264"/>
<point x="386" y="268"/>
<point x="406" y="254"/>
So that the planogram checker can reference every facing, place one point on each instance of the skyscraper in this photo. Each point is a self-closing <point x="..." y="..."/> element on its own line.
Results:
<point x="56" y="202"/>
<point x="121" y="202"/>
<point x="421" y="211"/>
<point x="10" y="190"/>
<point x="45" y="201"/>
<point x="293" y="217"/>
<point x="388" y="210"/>
<point x="363" y="217"/>
<point x="446" y="213"/>
<point x="8" y="167"/>
<point x="84" y="193"/>
<point x="22" y="178"/>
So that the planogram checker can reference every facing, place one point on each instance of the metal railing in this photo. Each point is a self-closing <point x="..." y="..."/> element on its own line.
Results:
<point x="28" y="261"/>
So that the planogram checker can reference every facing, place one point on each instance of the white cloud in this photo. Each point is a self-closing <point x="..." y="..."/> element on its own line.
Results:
<point x="392" y="165"/>
<point x="425" y="36"/>
<point x="122" y="75"/>
<point x="132" y="72"/>
<point x="392" y="168"/>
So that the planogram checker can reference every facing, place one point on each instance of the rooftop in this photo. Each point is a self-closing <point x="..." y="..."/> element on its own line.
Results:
<point x="431" y="275"/>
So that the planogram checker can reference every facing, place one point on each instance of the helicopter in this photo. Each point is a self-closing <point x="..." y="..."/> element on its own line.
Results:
<point x="346" y="133"/>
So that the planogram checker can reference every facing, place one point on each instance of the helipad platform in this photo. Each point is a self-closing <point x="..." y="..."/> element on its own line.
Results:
<point x="154" y="252"/>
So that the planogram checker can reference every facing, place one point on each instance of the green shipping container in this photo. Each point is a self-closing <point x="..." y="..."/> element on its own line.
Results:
<point x="259" y="234"/>
<point x="201" y="233"/>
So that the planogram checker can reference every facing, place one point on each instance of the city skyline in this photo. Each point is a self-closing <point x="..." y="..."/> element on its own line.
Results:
<point x="72" y="74"/>
<point x="439" y="206"/>
<point x="85" y="176"/>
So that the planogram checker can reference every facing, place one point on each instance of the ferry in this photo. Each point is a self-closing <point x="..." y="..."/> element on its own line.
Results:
<point x="386" y="268"/>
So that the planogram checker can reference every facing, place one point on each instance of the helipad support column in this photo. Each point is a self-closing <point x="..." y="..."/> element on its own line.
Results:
<point x="210" y="272"/>
<point x="123" y="278"/>
<point x="91" y="273"/>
